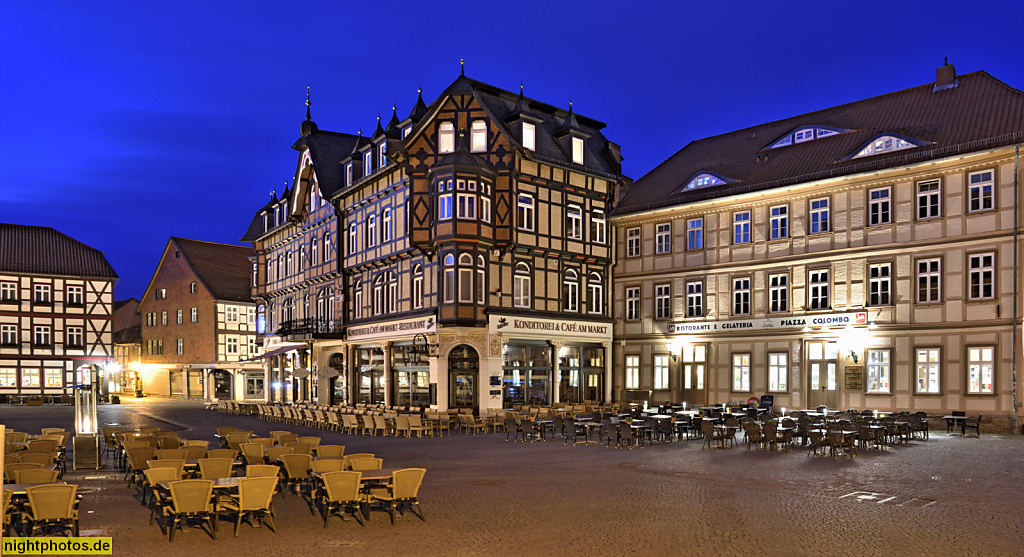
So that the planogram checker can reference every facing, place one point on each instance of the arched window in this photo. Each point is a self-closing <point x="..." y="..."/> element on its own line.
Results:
<point x="300" y="258"/>
<point x="305" y="309"/>
<point x="571" y="291"/>
<point x="596" y="286"/>
<point x="449" y="278"/>
<point x="371" y="231"/>
<point x="327" y="247"/>
<point x="288" y="264"/>
<point x="392" y="294"/>
<point x="357" y="303"/>
<point x="481" y="270"/>
<point x="478" y="137"/>
<point x="261" y="319"/>
<point x="465" y="278"/>
<point x="280" y="266"/>
<point x="385" y="225"/>
<point x="882" y="144"/>
<point x="417" y="286"/>
<point x="314" y="252"/>
<point x="521" y="294"/>
<point x="378" y="295"/>
<point x="446" y="138"/>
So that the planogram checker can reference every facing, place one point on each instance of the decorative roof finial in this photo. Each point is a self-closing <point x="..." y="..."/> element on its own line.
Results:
<point x="307" y="103"/>
<point x="419" y="89"/>
<point x="520" y="87"/>
<point x="462" y="69"/>
<point x="570" y="105"/>
<point x="273" y="194"/>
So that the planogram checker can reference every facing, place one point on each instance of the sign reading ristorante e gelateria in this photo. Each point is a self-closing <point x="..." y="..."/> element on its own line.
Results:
<point x="791" y="322"/>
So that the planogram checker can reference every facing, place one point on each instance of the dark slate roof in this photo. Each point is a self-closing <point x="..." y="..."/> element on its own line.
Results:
<point x="129" y="335"/>
<point x="45" y="251"/>
<point x="224" y="268"/>
<point x="979" y="112"/>
<point x="327" y="150"/>
<point x="255" y="229"/>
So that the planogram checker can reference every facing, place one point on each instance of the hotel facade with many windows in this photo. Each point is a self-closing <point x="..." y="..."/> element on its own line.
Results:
<point x="861" y="256"/>
<point x="469" y="264"/>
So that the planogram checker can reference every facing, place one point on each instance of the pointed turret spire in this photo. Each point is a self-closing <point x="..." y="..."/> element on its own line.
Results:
<point x="419" y="110"/>
<point x="379" y="130"/>
<point x="307" y="103"/>
<point x="308" y="126"/>
<point x="462" y="64"/>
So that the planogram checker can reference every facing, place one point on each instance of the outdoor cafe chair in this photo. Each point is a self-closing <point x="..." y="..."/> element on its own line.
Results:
<point x="51" y="504"/>
<point x="611" y="432"/>
<point x="168" y="442"/>
<point x="327" y="465"/>
<point x="296" y="470"/>
<point x="262" y="471"/>
<point x="52" y="430"/>
<point x="403" y="491"/>
<point x="626" y="436"/>
<point x="43" y="445"/>
<point x="367" y="428"/>
<point x="159" y="498"/>
<point x="11" y="470"/>
<point x="275" y="453"/>
<point x="299" y="447"/>
<point x="44" y="458"/>
<point x="919" y="424"/>
<point x="254" y="498"/>
<point x="149" y="429"/>
<point x="355" y="456"/>
<point x="712" y="436"/>
<point x="137" y="463"/>
<point x="311" y="440"/>
<point x="221" y="453"/>
<point x="817" y="440"/>
<point x="971" y="424"/>
<point x="416" y="425"/>
<point x="8" y="510"/>
<point x="330" y="451"/>
<point x="194" y="453"/>
<point x="35" y="476"/>
<point x="571" y="430"/>
<point x="214" y="468"/>
<point x="191" y="499"/>
<point x="177" y="465"/>
<point x="367" y="464"/>
<point x="252" y="453"/>
<point x="222" y="431"/>
<point x="513" y="428"/>
<point x="341" y="492"/>
<point x="173" y="454"/>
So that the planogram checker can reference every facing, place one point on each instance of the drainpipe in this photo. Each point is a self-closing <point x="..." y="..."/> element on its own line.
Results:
<point x="1016" y="298"/>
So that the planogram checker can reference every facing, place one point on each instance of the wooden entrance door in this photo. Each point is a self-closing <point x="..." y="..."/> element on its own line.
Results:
<point x="693" y="367"/>
<point x="822" y="374"/>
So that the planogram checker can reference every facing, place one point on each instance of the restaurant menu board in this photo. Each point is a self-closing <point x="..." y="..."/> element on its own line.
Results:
<point x="768" y="401"/>
<point x="854" y="377"/>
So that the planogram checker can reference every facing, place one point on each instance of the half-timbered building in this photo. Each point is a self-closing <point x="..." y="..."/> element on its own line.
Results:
<point x="473" y="254"/>
<point x="861" y="256"/>
<point x="199" y="322"/>
<point x="56" y="302"/>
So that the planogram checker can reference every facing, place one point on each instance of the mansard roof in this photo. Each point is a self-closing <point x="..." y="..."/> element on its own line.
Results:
<point x="41" y="250"/>
<point x="977" y="111"/>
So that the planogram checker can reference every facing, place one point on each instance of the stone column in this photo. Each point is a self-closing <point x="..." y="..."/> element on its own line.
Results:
<point x="607" y="371"/>
<point x="556" y="383"/>
<point x="386" y="347"/>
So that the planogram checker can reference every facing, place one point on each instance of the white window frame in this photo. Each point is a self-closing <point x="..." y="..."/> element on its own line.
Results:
<point x="571" y="284"/>
<point x="819" y="217"/>
<point x="75" y="297"/>
<point x="522" y="284"/>
<point x="41" y="335"/>
<point x="465" y="278"/>
<point x="348" y="178"/>
<point x="478" y="136"/>
<point x="525" y="212"/>
<point x="661" y="368"/>
<point x="778" y="372"/>
<point x="981" y="189"/>
<point x="577" y="150"/>
<point x="741" y="296"/>
<point x="879" y="371"/>
<point x="382" y="151"/>
<point x="879" y="284"/>
<point x="368" y="161"/>
<point x="981" y="365"/>
<point x="231" y="346"/>
<point x="695" y="233"/>
<point x="981" y="277"/>
<point x="232" y="314"/>
<point x="181" y="346"/>
<point x="449" y="278"/>
<point x="595" y="287"/>
<point x="598" y="227"/>
<point x="385" y="224"/>
<point x="485" y="202"/>
<point x="928" y="371"/>
<point x="778" y="293"/>
<point x="779" y="225"/>
<point x="880" y="206"/>
<point x="632" y="371"/>
<point x="929" y="199"/>
<point x="74" y="337"/>
<point x="574" y="222"/>
<point x="741" y="372"/>
<point x="353" y="241"/>
<point x="42" y="294"/>
<point x="695" y="298"/>
<point x="481" y="280"/>
<point x="633" y="303"/>
<point x="8" y="291"/>
<point x="818" y="289"/>
<point x="466" y="206"/>
<point x="929" y="280"/>
<point x="663" y="237"/>
<point x="633" y="242"/>
<point x="741" y="227"/>
<point x="180" y="316"/>
<point x="529" y="136"/>
<point x="8" y="335"/>
<point x="446" y="138"/>
<point x="417" y="286"/>
<point x="371" y="231"/>
<point x="663" y="301"/>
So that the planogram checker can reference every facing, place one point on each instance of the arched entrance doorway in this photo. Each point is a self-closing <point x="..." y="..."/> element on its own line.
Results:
<point x="463" y="371"/>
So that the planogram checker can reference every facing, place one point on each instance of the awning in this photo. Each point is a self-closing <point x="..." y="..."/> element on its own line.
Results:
<point x="281" y="349"/>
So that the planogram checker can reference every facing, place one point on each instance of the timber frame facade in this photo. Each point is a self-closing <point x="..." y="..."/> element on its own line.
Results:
<point x="472" y="258"/>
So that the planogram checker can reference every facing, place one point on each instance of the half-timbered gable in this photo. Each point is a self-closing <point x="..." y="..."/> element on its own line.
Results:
<point x="56" y="306"/>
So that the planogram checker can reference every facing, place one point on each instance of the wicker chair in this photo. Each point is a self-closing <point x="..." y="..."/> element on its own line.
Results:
<point x="361" y="464"/>
<point x="43" y="445"/>
<point x="35" y="476"/>
<point x="149" y="429"/>
<point x="252" y="453"/>
<point x="52" y="430"/>
<point x="221" y="453"/>
<point x="254" y="497"/>
<point x="262" y="471"/>
<point x="38" y="457"/>
<point x="137" y="463"/>
<point x="341" y="492"/>
<point x="168" y="442"/>
<point x="403" y="492"/>
<point x="286" y="438"/>
<point x="296" y="470"/>
<point x="223" y="431"/>
<point x="171" y="454"/>
<point x="355" y="456"/>
<point x="330" y="451"/>
<point x="311" y="440"/>
<point x="328" y="465"/>
<point x="160" y="498"/>
<point x="51" y="504"/>
<point x="214" y="468"/>
<point x="195" y="453"/>
<point x="8" y="510"/>
<point x="275" y="453"/>
<point x="11" y="470"/>
<point x="191" y="499"/>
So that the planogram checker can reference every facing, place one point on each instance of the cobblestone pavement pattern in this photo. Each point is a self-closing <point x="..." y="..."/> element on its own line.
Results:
<point x="485" y="496"/>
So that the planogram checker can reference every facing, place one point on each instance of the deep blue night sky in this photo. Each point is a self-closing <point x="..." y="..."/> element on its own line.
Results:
<point x="122" y="124"/>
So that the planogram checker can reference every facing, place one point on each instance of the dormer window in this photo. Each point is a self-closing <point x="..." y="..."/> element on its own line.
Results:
<point x="406" y="131"/>
<point x="803" y="134"/>
<point x="883" y="144"/>
<point x="529" y="136"/>
<point x="446" y="138"/>
<point x="577" y="150"/>
<point x="478" y="137"/>
<point x="368" y="161"/>
<point x="382" y="150"/>
<point x="703" y="180"/>
<point x="266" y="224"/>
<point x="348" y="173"/>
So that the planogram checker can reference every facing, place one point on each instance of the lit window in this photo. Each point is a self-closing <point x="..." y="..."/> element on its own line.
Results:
<point x="571" y="289"/>
<point x="928" y="281"/>
<point x="981" y="363"/>
<point x="633" y="303"/>
<point x="819" y="216"/>
<point x="928" y="199"/>
<point x="449" y="278"/>
<point x="525" y="212"/>
<point x="633" y="242"/>
<point x="574" y="222"/>
<point x="880" y="284"/>
<point x="741" y="228"/>
<point x="348" y="173"/>
<point x="195" y="315"/>
<point x="879" y="206"/>
<point x="661" y="371"/>
<point x="927" y="364"/>
<point x="818" y="280"/>
<point x="596" y="288"/>
<point x="663" y="238"/>
<point x="801" y="135"/>
<point x="163" y="318"/>
<point x="577" y="150"/>
<point x="695" y="234"/>
<point x="481" y="285"/>
<point x="741" y="296"/>
<point x="327" y="247"/>
<point x="417" y="286"/>
<point x="521" y="295"/>
<point x="371" y="231"/>
<point x="446" y="138"/>
<point x="478" y="137"/>
<point x="181" y="345"/>
<point x="884" y="144"/>
<point x="632" y="372"/>
<point x="778" y="286"/>
<point x="597" y="227"/>
<point x="982" y="271"/>
<point x="662" y="301"/>
<point x="779" y="222"/>
<point x="878" y="372"/>
<point x="353" y="241"/>
<point x="378" y="295"/>
<point x="981" y="184"/>
<point x="368" y="162"/>
<point x="703" y="180"/>
<point x="180" y="316"/>
<point x="382" y="150"/>
<point x="695" y="299"/>
<point x="741" y="372"/>
<point x="529" y="136"/>
<point x="778" y="371"/>
<point x="30" y="377"/>
<point x="385" y="224"/>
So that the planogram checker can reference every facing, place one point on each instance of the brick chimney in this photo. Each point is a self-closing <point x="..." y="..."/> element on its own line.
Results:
<point x="945" y="76"/>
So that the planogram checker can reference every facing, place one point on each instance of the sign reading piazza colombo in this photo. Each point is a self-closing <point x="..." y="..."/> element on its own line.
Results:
<point x="794" y="322"/>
